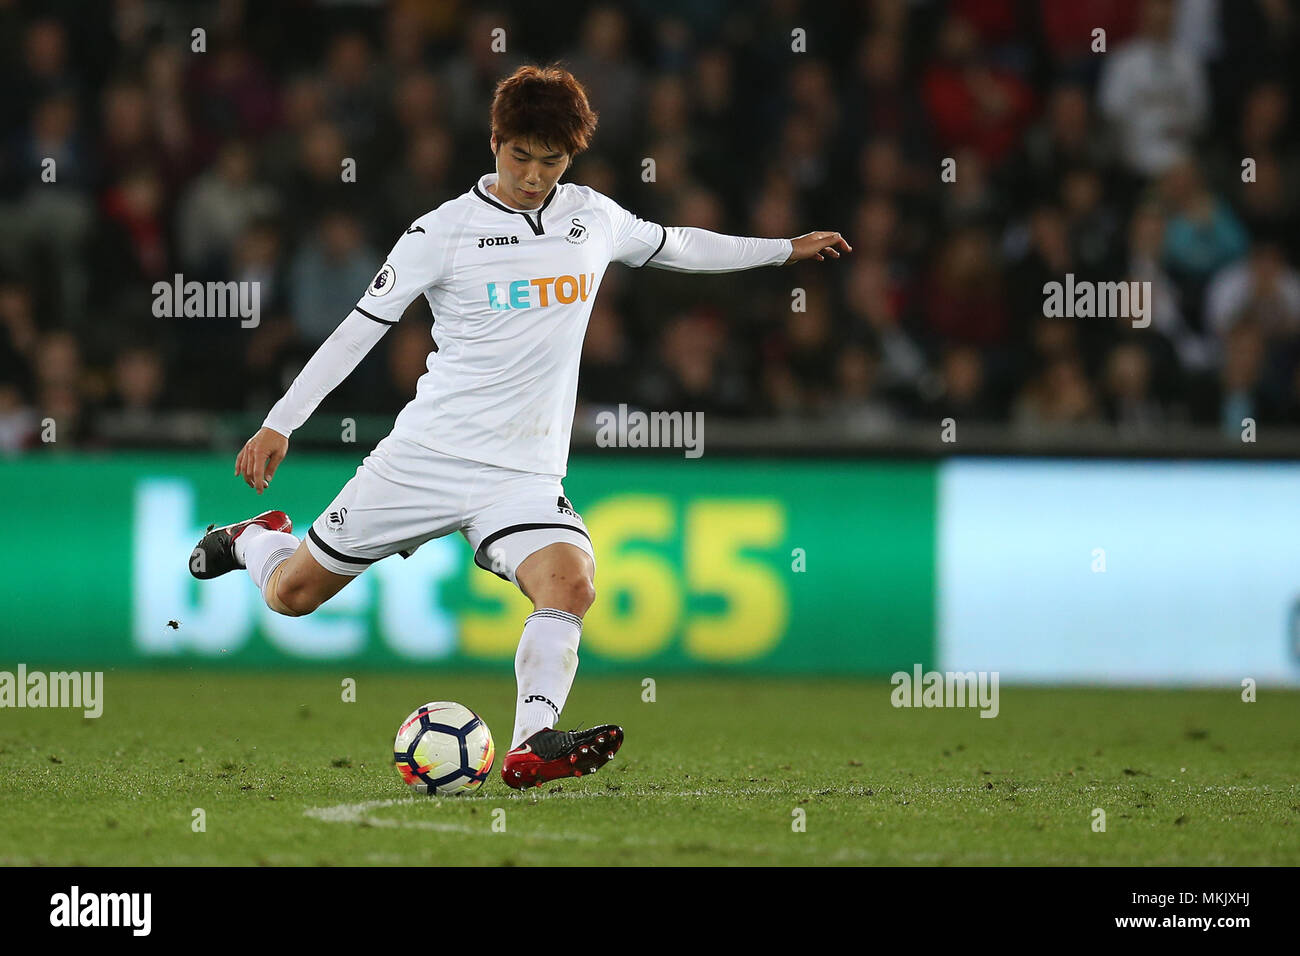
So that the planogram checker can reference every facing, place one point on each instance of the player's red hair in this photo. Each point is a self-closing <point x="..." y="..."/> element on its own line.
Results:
<point x="547" y="104"/>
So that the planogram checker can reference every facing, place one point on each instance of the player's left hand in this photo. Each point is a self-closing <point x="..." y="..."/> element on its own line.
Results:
<point x="818" y="245"/>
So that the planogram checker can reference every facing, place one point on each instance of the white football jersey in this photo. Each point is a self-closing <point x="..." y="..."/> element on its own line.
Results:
<point x="511" y="293"/>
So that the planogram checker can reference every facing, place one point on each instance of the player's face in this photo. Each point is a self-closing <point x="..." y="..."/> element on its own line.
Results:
<point x="527" y="171"/>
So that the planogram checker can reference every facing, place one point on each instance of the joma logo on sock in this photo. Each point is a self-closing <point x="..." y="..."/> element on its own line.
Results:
<point x="532" y="697"/>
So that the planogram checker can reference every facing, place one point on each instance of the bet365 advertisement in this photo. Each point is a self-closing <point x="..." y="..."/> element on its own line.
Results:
<point x="706" y="565"/>
<point x="1043" y="571"/>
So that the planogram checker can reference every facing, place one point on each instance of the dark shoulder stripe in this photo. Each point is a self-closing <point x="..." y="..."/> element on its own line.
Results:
<point x="374" y="317"/>
<point x="662" y="240"/>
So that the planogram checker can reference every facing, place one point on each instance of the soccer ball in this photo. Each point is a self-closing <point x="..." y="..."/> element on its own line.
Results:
<point x="444" y="748"/>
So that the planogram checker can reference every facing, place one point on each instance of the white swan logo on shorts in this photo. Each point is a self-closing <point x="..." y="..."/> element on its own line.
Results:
<point x="383" y="281"/>
<point x="334" y="520"/>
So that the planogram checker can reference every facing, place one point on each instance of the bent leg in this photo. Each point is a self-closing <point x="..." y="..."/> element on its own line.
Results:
<point x="299" y="584"/>
<point x="559" y="576"/>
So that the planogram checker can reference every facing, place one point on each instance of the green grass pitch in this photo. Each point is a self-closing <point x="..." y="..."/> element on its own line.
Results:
<point x="712" y="773"/>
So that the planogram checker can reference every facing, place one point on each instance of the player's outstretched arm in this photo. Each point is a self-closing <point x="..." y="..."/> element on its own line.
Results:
<point x="413" y="265"/>
<point x="334" y="361"/>
<point x="690" y="249"/>
<point x="817" y="245"/>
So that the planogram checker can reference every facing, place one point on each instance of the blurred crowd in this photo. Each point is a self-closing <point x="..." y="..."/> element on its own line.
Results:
<point x="225" y="164"/>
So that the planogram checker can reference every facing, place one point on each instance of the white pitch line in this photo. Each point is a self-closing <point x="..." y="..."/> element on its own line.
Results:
<point x="361" y="814"/>
<point x="358" y="813"/>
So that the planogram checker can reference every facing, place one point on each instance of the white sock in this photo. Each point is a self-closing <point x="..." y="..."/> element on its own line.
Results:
<point x="545" y="664"/>
<point x="263" y="551"/>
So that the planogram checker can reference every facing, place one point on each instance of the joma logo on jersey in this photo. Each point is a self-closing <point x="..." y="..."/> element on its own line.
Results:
<point x="539" y="293"/>
<point x="497" y="241"/>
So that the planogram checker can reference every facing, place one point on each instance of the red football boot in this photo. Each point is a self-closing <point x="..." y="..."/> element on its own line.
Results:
<point x="214" y="555"/>
<point x="551" y="754"/>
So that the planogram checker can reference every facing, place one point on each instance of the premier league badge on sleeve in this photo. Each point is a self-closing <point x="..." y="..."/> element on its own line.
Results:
<point x="382" y="282"/>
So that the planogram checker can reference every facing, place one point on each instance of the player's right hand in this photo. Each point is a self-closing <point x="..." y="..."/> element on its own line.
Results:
<point x="260" y="456"/>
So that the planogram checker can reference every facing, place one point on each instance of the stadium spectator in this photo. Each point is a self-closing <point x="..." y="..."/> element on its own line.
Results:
<point x="606" y="357"/>
<point x="1146" y="234"/>
<point x="314" y="183"/>
<point x="1260" y="288"/>
<point x="1064" y="139"/>
<point x="963" y="395"/>
<point x="18" y="420"/>
<point x="964" y="302"/>
<point x="1068" y="29"/>
<point x="139" y="381"/>
<point x="326" y="273"/>
<point x="970" y="102"/>
<point x="1241" y="390"/>
<point x="234" y="95"/>
<point x="60" y="386"/>
<point x="881" y="98"/>
<point x="859" y="402"/>
<point x="874" y="304"/>
<point x="1154" y="93"/>
<point x="229" y="165"/>
<point x="1059" y="395"/>
<point x="217" y="207"/>
<point x="972" y="201"/>
<point x="799" y="357"/>
<point x="128" y="140"/>
<point x="716" y="123"/>
<point x="694" y="371"/>
<point x="1047" y="257"/>
<point x="1202" y="233"/>
<point x="46" y="69"/>
<point x="615" y="83"/>
<point x="353" y="90"/>
<point x="130" y="250"/>
<point x="472" y="72"/>
<point x="1127" y="397"/>
<point x="1093" y="225"/>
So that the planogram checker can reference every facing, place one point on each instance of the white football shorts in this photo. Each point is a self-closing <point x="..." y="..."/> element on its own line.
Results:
<point x="405" y="494"/>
